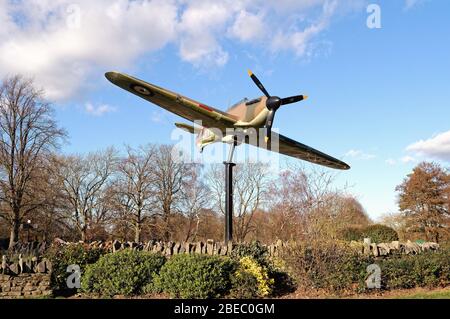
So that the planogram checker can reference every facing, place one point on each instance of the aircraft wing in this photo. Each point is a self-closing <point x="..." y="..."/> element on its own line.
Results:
<point x="173" y="102"/>
<point x="301" y="151"/>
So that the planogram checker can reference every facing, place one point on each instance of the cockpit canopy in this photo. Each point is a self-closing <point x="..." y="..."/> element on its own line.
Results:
<point x="244" y="100"/>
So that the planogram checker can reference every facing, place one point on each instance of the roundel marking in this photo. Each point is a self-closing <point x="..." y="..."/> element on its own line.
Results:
<point x="141" y="90"/>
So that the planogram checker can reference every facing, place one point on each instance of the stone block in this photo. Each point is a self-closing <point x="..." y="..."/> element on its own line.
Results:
<point x="41" y="267"/>
<point x="14" y="269"/>
<point x="198" y="247"/>
<point x="209" y="249"/>
<point x="14" y="294"/>
<point x="176" y="248"/>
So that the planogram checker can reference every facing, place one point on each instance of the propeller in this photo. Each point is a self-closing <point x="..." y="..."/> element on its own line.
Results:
<point x="273" y="103"/>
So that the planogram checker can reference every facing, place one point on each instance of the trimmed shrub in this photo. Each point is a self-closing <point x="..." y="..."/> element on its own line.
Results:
<point x="429" y="269"/>
<point x="332" y="266"/>
<point x="125" y="272"/>
<point x="255" y="250"/>
<point x="244" y="285"/>
<point x="377" y="233"/>
<point x="264" y="284"/>
<point x="380" y="233"/>
<point x="335" y="267"/>
<point x="352" y="233"/>
<point x="281" y="281"/>
<point x="62" y="257"/>
<point x="196" y="276"/>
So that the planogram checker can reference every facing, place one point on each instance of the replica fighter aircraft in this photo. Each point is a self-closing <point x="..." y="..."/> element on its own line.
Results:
<point x="247" y="117"/>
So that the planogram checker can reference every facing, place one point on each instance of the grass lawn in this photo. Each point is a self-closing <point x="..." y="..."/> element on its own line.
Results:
<point x="434" y="294"/>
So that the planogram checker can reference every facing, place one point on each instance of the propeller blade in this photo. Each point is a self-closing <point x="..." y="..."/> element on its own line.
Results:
<point x="293" y="99"/>
<point x="258" y="83"/>
<point x="269" y="123"/>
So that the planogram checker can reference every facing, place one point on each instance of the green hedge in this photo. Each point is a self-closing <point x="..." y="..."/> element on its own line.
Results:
<point x="337" y="268"/>
<point x="328" y="265"/>
<point x="195" y="276"/>
<point x="380" y="233"/>
<point x="122" y="273"/>
<point x="377" y="233"/>
<point x="62" y="257"/>
<point x="429" y="269"/>
<point x="352" y="233"/>
<point x="255" y="250"/>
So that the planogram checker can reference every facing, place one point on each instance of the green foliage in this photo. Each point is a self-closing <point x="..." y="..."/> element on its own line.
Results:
<point x="62" y="257"/>
<point x="244" y="286"/>
<point x="327" y="265"/>
<point x="430" y="269"/>
<point x="122" y="273"/>
<point x="380" y="233"/>
<point x="352" y="233"/>
<point x="255" y="250"/>
<point x="264" y="284"/>
<point x="281" y="281"/>
<point x="195" y="276"/>
<point x="377" y="233"/>
<point x="337" y="268"/>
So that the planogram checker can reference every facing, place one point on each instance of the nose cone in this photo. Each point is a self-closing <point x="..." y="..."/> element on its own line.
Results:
<point x="273" y="102"/>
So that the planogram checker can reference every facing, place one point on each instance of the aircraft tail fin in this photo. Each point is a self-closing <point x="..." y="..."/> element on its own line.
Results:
<point x="188" y="128"/>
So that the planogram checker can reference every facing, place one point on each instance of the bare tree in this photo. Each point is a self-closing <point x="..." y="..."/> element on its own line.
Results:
<point x="27" y="132"/>
<point x="250" y="186"/>
<point x="305" y="203"/>
<point x="398" y="222"/>
<point x="47" y="220"/>
<point x="169" y="175"/>
<point x="133" y="190"/>
<point x="85" y="182"/>
<point x="194" y="199"/>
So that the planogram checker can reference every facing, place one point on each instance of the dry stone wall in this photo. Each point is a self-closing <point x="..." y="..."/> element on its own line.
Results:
<point x="25" y="285"/>
<point x="395" y="247"/>
<point x="210" y="247"/>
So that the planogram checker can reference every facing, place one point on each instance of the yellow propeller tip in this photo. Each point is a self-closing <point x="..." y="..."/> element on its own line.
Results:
<point x="266" y="138"/>
<point x="305" y="97"/>
<point x="250" y="73"/>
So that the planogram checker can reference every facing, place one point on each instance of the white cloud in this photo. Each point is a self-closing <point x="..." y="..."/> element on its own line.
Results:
<point x="158" y="117"/>
<point x="300" y="40"/>
<point x="65" y="44"/>
<point x="407" y="159"/>
<point x="62" y="44"/>
<point x="199" y="27"/>
<point x="409" y="4"/>
<point x="99" y="110"/>
<point x="248" y="26"/>
<point x="359" y="155"/>
<point x="437" y="147"/>
<point x="391" y="162"/>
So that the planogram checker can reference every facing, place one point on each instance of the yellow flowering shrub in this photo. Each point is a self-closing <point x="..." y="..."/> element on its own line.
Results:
<point x="250" y="266"/>
<point x="278" y="263"/>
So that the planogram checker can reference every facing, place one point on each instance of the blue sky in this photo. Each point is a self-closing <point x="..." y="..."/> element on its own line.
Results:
<point x="379" y="98"/>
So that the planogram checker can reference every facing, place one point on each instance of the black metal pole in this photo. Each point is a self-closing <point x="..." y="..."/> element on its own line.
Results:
<point x="229" y="194"/>
<point x="229" y="201"/>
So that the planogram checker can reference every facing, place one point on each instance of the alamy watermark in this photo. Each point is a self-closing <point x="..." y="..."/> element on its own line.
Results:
<point x="374" y="19"/>
<point x="373" y="281"/>
<point x="74" y="279"/>
<point x="212" y="145"/>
